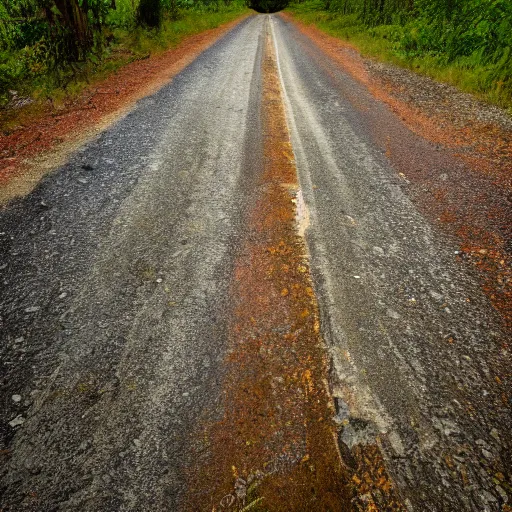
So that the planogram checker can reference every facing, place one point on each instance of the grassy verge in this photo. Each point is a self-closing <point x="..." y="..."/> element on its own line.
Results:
<point x="143" y="42"/>
<point x="386" y="43"/>
<point x="37" y="89"/>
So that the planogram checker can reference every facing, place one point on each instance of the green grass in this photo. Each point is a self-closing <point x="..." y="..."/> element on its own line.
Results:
<point x="143" y="42"/>
<point x="386" y="43"/>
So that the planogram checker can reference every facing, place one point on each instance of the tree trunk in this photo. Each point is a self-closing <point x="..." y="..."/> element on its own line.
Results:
<point x="74" y="18"/>
<point x="70" y="26"/>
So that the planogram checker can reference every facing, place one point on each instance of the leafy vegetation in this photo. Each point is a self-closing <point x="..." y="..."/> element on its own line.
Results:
<point x="464" y="42"/>
<point x="51" y="48"/>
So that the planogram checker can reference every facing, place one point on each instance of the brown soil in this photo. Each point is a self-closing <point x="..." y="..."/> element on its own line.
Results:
<point x="276" y="446"/>
<point x="476" y="134"/>
<point x="43" y="141"/>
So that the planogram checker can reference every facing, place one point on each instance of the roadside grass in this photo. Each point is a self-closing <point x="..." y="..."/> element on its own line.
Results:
<point x="491" y="83"/>
<point x="143" y="42"/>
<point x="39" y="89"/>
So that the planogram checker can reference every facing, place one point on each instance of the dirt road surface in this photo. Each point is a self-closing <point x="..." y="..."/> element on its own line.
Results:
<point x="234" y="298"/>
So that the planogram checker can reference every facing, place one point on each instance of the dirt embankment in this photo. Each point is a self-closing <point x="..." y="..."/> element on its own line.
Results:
<point x="471" y="200"/>
<point x="42" y="142"/>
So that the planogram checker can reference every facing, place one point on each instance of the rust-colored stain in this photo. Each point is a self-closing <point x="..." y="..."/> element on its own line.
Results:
<point x="275" y="448"/>
<point x="478" y="216"/>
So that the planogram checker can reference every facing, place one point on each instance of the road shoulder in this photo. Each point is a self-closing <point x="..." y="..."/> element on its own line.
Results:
<point x="46" y="142"/>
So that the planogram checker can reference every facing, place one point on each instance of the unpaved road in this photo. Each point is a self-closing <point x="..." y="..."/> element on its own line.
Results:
<point x="117" y="301"/>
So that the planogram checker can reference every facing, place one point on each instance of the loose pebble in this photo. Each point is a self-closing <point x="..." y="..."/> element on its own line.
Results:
<point x="392" y="314"/>
<point x="19" y="420"/>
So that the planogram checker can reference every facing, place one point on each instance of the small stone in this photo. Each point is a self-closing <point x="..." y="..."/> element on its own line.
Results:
<point x="159" y="280"/>
<point x="82" y="180"/>
<point x="19" y="340"/>
<point x="16" y="398"/>
<point x="487" y="454"/>
<point x="392" y="314"/>
<point x="32" y="309"/>
<point x="32" y="466"/>
<point x="19" y="420"/>
<point x="378" y="251"/>
<point x="502" y="493"/>
<point x="84" y="445"/>
<point x="137" y="443"/>
<point x="63" y="295"/>
<point x="357" y="277"/>
<point x="495" y="434"/>
<point x="488" y="497"/>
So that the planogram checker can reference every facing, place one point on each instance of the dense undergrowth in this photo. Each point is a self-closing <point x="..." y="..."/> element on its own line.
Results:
<point x="48" y="55"/>
<point x="467" y="43"/>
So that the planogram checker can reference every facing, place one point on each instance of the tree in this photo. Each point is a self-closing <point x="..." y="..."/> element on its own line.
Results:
<point x="149" y="13"/>
<point x="68" y="20"/>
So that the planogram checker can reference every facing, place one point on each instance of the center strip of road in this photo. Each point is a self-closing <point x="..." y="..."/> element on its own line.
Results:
<point x="276" y="446"/>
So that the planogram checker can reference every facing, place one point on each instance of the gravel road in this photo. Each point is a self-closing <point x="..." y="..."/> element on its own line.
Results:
<point x="116" y="273"/>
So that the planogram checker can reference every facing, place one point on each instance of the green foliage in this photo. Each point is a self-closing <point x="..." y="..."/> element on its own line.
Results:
<point x="465" y="42"/>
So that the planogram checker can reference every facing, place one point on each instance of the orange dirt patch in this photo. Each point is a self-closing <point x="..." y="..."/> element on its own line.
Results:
<point x="276" y="447"/>
<point x="482" y="146"/>
<point x="44" y="141"/>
